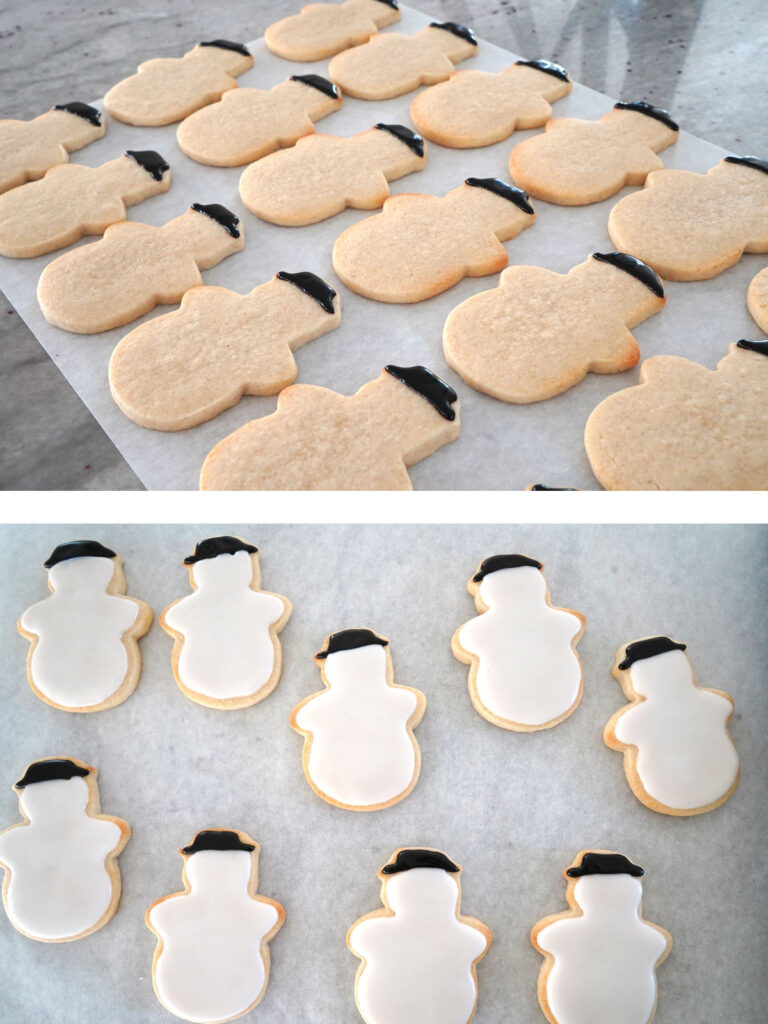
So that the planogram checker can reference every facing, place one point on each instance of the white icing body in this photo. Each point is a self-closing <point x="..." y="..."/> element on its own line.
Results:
<point x="527" y="671"/>
<point x="418" y="963"/>
<point x="59" y="886"/>
<point x="685" y="756"/>
<point x="603" y="969"/>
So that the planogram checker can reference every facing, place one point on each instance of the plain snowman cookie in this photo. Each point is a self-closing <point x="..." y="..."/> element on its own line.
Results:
<point x="319" y="440"/>
<point x="757" y="299"/>
<point x="478" y="108"/>
<point x="684" y="427"/>
<point x="62" y="880"/>
<point x="84" y="653"/>
<point x="679" y="757"/>
<point x="420" y="245"/>
<point x="538" y="333"/>
<point x="600" y="955"/>
<point x="420" y="953"/>
<point x="323" y="174"/>
<point x="360" y="752"/>
<point x="186" y="367"/>
<point x="524" y="671"/>
<point x="226" y="652"/>
<point x="321" y="30"/>
<point x="212" y="959"/>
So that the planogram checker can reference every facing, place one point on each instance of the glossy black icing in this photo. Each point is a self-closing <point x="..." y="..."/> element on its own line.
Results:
<point x="50" y="769"/>
<point x="543" y="487"/>
<point x="605" y="864"/>
<point x="649" y="648"/>
<point x="350" y="640"/>
<point x="77" y="549"/>
<point x="212" y="547"/>
<point x="440" y="395"/>
<point x="221" y="215"/>
<point x="410" y="138"/>
<point x="311" y="285"/>
<point x="318" y="82"/>
<point x="226" y="44"/>
<point x="151" y="161"/>
<point x="754" y="346"/>
<point x="217" y="839"/>
<point x="547" y="66"/>
<point x="407" y="860"/>
<point x="657" y="113"/>
<point x="749" y="161"/>
<point x="501" y="188"/>
<point x="458" y="30"/>
<point x="391" y="3"/>
<point x="81" y="110"/>
<point x="497" y="562"/>
<point x="632" y="265"/>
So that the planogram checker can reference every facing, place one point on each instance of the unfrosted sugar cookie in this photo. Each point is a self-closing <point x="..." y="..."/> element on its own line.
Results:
<point x="29" y="148"/>
<point x="212" y="958"/>
<point x="420" y="245"/>
<point x="247" y="124"/>
<point x="420" y="953"/>
<point x="757" y="299"/>
<point x="323" y="174"/>
<point x="679" y="757"/>
<point x="62" y="880"/>
<point x="73" y="200"/>
<point x="320" y="30"/>
<point x="538" y="333"/>
<point x="168" y="89"/>
<point x="684" y="427"/>
<point x="600" y="955"/>
<point x="478" y="108"/>
<point x="134" y="268"/>
<point x="689" y="226"/>
<point x="84" y="653"/>
<point x="319" y="440"/>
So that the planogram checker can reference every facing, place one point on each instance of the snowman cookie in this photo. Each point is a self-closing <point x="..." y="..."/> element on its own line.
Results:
<point x="29" y="148"/>
<point x="84" y="653"/>
<point x="679" y="757"/>
<point x="323" y="174"/>
<point x="420" y="245"/>
<point x="524" y="671"/>
<point x="757" y="299"/>
<point x="226" y="652"/>
<point x="319" y="440"/>
<point x="134" y="268"/>
<point x="684" y="427"/>
<point x="360" y="752"/>
<point x="478" y="108"/>
<point x="212" y="957"/>
<point x="420" y="953"/>
<point x="321" y="30"/>
<point x="167" y="89"/>
<point x="600" y="955"/>
<point x="538" y="333"/>
<point x="62" y="880"/>
<point x="186" y="367"/>
<point x="72" y="200"/>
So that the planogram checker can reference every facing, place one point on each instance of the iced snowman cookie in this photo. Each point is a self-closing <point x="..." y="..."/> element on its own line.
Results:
<point x="684" y="427"/>
<point x="420" y="953"/>
<point x="757" y="299"/>
<point x="167" y="89"/>
<point x="226" y="652"/>
<point x="324" y="174"/>
<point x="72" y="200"/>
<point x="690" y="227"/>
<point x="420" y="245"/>
<point x="212" y="957"/>
<point x="320" y="30"/>
<point x="181" y="369"/>
<point x="392" y="64"/>
<point x="319" y="440"/>
<point x="84" y="653"/>
<point x="62" y="880"/>
<point x="679" y="757"/>
<point x="524" y="671"/>
<point x="247" y="124"/>
<point x="538" y="333"/>
<point x="360" y="752"/>
<point x="29" y="148"/>
<point x="477" y="108"/>
<point x="134" y="268"/>
<point x="600" y="955"/>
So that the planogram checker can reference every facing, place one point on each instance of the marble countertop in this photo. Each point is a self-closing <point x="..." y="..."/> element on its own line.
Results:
<point x="701" y="59"/>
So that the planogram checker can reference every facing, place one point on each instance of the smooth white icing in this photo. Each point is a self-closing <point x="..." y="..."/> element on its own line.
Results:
<point x="603" y="968"/>
<point x="418" y="963"/>
<point x="79" y="659"/>
<point x="527" y="671"/>
<point x="685" y="755"/>
<point x="361" y="751"/>
<point x="59" y="885"/>
<point x="210" y="966"/>
<point x="228" y="649"/>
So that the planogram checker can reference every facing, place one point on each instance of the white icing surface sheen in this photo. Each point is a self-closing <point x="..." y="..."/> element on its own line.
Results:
<point x="79" y="659"/>
<point x="603" y="971"/>
<point x="59" y="885"/>
<point x="685" y="756"/>
<point x="527" y="671"/>
<point x="418" y="963"/>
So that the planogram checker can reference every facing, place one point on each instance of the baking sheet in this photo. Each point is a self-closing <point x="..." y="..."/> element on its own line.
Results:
<point x="513" y="809"/>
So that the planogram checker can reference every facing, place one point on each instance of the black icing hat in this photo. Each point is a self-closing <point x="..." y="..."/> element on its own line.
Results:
<point x="311" y="285"/>
<point x="84" y="110"/>
<point x="221" y="215"/>
<point x="405" y="135"/>
<point x="457" y="30"/>
<point x="227" y="44"/>
<point x="761" y="347"/>
<point x="657" y="113"/>
<point x="406" y="860"/>
<point x="77" y="549"/>
<point x="749" y="161"/>
<point x="440" y="395"/>
<point x="350" y="640"/>
<point x="318" y="82"/>
<point x="212" y="547"/>
<point x="547" y="66"/>
<point x="50" y="769"/>
<point x="632" y="265"/>
<point x="501" y="188"/>
<point x="605" y="864"/>
<point x="648" y="649"/>
<point x="217" y="839"/>
<point x="496" y="562"/>
<point x="152" y="162"/>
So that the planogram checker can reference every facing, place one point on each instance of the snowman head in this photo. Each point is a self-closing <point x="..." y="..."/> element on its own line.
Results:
<point x="54" y="789"/>
<point x="354" y="656"/>
<point x="607" y="884"/>
<point x="657" y="665"/>
<point x="510" y="580"/>
<point x="421" y="881"/>
<point x="222" y="561"/>
<point x="70" y="563"/>
<point x="220" y="859"/>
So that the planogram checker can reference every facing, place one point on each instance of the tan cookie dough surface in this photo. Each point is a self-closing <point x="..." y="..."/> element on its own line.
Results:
<point x="757" y="300"/>
<point x="321" y="30"/>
